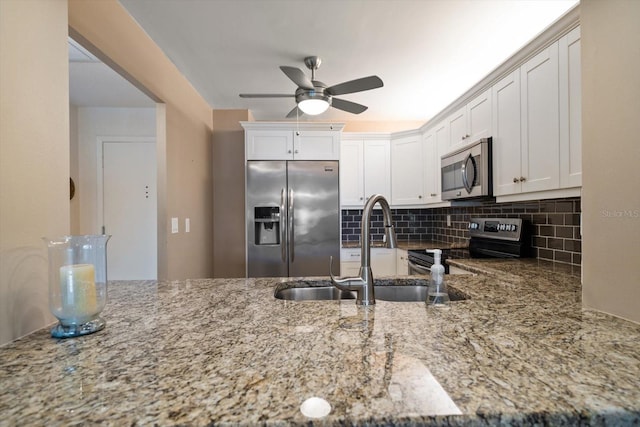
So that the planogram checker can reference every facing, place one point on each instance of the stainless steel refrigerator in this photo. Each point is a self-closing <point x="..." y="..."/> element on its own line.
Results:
<point x="293" y="218"/>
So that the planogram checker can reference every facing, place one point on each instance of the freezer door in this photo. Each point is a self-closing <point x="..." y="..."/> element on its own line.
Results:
<point x="266" y="216"/>
<point x="314" y="217"/>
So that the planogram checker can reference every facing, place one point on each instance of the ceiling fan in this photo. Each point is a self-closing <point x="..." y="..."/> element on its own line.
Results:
<point x="314" y="97"/>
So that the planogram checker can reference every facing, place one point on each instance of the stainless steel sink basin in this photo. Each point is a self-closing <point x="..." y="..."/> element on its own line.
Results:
<point x="395" y="293"/>
<point x="313" y="293"/>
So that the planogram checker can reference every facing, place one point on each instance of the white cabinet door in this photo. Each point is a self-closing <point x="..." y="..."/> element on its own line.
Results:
<point x="269" y="145"/>
<point x="383" y="262"/>
<point x="349" y="262"/>
<point x="570" y="110"/>
<point x="365" y="169"/>
<point x="506" y="135"/>
<point x="377" y="168"/>
<point x="540" y="121"/>
<point x="471" y="122"/>
<point x="479" y="117"/>
<point x="458" y="129"/>
<point x="316" y="145"/>
<point x="351" y="173"/>
<point x="402" y="262"/>
<point x="431" y="168"/>
<point x="407" y="171"/>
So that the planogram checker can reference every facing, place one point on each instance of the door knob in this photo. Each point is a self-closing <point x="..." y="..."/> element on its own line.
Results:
<point x="516" y="180"/>
<point x="523" y="179"/>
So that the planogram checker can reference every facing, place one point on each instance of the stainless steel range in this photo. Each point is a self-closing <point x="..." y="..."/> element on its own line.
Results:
<point x="488" y="238"/>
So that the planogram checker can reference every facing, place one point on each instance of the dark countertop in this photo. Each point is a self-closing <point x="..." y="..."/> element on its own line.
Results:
<point x="520" y="351"/>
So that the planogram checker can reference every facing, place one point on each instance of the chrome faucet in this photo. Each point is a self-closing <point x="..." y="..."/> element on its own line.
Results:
<point x="363" y="284"/>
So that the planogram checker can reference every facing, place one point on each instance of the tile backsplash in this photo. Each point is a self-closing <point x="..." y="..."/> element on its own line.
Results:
<point x="556" y="225"/>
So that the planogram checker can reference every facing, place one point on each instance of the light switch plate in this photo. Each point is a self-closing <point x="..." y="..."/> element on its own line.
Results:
<point x="174" y="225"/>
<point x="187" y="225"/>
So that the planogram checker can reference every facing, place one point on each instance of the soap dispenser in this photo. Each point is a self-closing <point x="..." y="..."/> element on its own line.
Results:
<point x="437" y="294"/>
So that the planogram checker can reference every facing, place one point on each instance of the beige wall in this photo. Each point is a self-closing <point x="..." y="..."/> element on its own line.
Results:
<point x="185" y="171"/>
<point x="228" y="192"/>
<point x="611" y="150"/>
<point x="74" y="169"/>
<point x="34" y="156"/>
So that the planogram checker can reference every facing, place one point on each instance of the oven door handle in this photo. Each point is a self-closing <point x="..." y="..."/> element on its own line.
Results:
<point x="419" y="268"/>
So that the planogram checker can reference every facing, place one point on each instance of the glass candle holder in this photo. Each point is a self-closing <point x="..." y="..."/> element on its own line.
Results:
<point x="77" y="283"/>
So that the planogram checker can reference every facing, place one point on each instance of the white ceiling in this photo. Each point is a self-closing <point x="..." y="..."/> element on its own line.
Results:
<point x="427" y="52"/>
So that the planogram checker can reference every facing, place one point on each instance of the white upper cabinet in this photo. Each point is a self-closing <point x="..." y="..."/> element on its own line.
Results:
<point x="536" y="123"/>
<point x="539" y="91"/>
<point x="269" y="145"/>
<point x="407" y="171"/>
<point x="288" y="141"/>
<point x="377" y="168"/>
<point x="458" y="133"/>
<point x="434" y="144"/>
<point x="506" y="135"/>
<point x="570" y="110"/>
<point x="316" y="145"/>
<point x="351" y="173"/>
<point x="479" y="117"/>
<point x="365" y="169"/>
<point x="471" y="122"/>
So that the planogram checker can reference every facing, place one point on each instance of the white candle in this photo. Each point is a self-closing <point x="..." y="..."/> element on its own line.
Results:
<point x="78" y="285"/>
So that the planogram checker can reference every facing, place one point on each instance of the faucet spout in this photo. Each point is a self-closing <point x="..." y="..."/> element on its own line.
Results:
<point x="363" y="284"/>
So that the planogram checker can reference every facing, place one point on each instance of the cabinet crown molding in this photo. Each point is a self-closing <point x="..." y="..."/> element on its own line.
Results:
<point x="315" y="126"/>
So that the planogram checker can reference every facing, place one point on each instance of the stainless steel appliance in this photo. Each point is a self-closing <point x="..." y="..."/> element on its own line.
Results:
<point x="488" y="238"/>
<point x="467" y="172"/>
<point x="420" y="261"/>
<point x="293" y="218"/>
<point x="499" y="238"/>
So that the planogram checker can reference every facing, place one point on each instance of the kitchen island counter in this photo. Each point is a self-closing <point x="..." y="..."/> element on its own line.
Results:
<point x="519" y="351"/>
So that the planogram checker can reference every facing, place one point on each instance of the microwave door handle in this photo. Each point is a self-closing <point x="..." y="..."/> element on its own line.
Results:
<point x="283" y="236"/>
<point x="419" y="268"/>
<point x="467" y="165"/>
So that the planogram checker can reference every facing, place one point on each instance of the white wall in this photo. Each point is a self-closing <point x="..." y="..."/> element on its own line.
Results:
<point x="34" y="156"/>
<point x="96" y="122"/>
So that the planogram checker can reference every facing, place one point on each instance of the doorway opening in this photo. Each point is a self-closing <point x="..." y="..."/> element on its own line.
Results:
<point x="113" y="152"/>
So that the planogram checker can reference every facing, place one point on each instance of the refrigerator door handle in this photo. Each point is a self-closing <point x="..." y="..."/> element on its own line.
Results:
<point x="290" y="228"/>
<point x="283" y="242"/>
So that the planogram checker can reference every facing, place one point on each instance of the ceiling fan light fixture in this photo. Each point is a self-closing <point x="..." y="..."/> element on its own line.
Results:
<point x="313" y="103"/>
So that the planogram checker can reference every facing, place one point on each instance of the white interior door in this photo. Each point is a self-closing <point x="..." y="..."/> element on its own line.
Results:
<point x="129" y="207"/>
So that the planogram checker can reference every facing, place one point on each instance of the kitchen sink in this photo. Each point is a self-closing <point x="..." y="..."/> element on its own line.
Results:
<point x="314" y="293"/>
<point x="396" y="293"/>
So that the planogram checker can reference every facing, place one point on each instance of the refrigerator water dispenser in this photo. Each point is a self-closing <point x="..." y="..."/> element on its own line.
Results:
<point x="267" y="225"/>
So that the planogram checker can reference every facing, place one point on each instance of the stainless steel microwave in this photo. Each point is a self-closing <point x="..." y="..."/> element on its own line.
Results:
<point x="467" y="173"/>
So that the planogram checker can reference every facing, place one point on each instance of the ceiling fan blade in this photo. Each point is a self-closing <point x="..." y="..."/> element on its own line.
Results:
<point x="298" y="77"/>
<point x="266" y="95"/>
<point x="296" y="112"/>
<point x="348" y="106"/>
<point x="357" y="85"/>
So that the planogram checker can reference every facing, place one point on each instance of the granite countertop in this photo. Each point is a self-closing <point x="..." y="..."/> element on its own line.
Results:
<point x="519" y="351"/>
